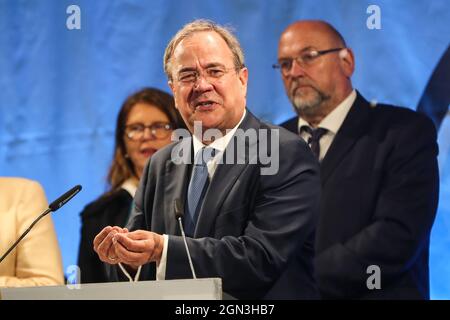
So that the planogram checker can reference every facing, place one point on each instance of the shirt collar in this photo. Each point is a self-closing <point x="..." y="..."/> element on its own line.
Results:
<point x="333" y="121"/>
<point x="220" y="143"/>
<point x="130" y="186"/>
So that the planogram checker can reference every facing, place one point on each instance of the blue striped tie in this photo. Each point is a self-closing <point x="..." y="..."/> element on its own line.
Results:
<point x="197" y="187"/>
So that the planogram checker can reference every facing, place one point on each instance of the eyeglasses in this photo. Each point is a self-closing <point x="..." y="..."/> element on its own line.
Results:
<point x="159" y="130"/>
<point x="211" y="74"/>
<point x="305" y="59"/>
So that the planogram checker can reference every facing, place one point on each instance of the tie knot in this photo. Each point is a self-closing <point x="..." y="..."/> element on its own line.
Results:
<point x="316" y="134"/>
<point x="204" y="155"/>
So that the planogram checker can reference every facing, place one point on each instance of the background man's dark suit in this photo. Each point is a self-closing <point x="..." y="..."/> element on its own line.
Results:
<point x="254" y="231"/>
<point x="379" y="198"/>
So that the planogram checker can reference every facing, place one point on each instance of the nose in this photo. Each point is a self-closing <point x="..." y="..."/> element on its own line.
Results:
<point x="148" y="135"/>
<point x="297" y="70"/>
<point x="202" y="83"/>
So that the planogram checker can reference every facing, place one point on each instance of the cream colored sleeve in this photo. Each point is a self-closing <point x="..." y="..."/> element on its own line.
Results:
<point x="37" y="257"/>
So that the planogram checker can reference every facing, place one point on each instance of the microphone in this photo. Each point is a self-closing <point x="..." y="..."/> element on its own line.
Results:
<point x="179" y="212"/>
<point x="55" y="205"/>
<point x="62" y="200"/>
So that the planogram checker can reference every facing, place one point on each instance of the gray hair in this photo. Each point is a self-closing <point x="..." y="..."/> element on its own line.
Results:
<point x="199" y="26"/>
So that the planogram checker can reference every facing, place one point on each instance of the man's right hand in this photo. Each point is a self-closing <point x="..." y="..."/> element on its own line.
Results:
<point x="103" y="244"/>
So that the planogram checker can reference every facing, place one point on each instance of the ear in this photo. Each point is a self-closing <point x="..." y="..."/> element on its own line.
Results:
<point x="243" y="79"/>
<point x="172" y="88"/>
<point x="347" y="61"/>
<point x="170" y="83"/>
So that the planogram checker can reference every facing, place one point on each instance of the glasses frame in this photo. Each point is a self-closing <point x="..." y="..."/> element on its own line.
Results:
<point x="205" y="73"/>
<point x="313" y="55"/>
<point x="152" y="127"/>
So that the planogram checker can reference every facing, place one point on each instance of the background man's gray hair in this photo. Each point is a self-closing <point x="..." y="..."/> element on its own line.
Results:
<point x="199" y="26"/>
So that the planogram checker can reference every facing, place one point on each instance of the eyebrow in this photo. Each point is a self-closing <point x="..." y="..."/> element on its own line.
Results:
<point x="209" y="65"/>
<point x="185" y="69"/>
<point x="133" y="124"/>
<point x="143" y="124"/>
<point x="214" y="64"/>
<point x="308" y="48"/>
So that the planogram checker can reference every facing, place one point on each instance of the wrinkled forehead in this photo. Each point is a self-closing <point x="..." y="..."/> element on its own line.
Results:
<point x="296" y="40"/>
<point x="200" y="50"/>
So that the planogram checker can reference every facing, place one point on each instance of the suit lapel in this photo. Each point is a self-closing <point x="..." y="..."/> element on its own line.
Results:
<point x="176" y="180"/>
<point x="291" y="125"/>
<point x="351" y="130"/>
<point x="223" y="180"/>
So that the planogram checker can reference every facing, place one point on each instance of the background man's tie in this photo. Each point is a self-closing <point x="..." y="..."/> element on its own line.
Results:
<point x="314" y="139"/>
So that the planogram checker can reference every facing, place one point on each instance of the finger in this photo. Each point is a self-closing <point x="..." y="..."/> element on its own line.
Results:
<point x="129" y="257"/>
<point x="153" y="245"/>
<point x="105" y="249"/>
<point x="118" y="229"/>
<point x="139" y="235"/>
<point x="101" y="236"/>
<point x="111" y="255"/>
<point x="140" y="245"/>
<point x="104" y="246"/>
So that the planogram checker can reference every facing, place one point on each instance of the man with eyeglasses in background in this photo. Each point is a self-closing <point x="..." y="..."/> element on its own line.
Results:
<point x="252" y="230"/>
<point x="378" y="170"/>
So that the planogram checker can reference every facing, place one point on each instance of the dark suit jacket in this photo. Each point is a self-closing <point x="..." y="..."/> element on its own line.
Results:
<point x="254" y="231"/>
<point x="108" y="210"/>
<point x="379" y="198"/>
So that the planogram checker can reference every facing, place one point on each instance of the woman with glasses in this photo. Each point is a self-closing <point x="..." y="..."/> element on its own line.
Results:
<point x="144" y="125"/>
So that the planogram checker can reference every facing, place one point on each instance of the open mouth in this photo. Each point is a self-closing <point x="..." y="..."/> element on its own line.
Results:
<point x="204" y="105"/>
<point x="148" y="152"/>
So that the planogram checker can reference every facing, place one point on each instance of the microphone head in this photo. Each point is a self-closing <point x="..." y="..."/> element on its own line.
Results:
<point x="179" y="210"/>
<point x="62" y="200"/>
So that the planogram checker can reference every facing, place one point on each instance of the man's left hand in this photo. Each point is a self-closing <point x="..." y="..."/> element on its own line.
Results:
<point x="138" y="247"/>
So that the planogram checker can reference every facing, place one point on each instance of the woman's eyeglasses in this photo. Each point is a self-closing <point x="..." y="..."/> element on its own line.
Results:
<point x="159" y="130"/>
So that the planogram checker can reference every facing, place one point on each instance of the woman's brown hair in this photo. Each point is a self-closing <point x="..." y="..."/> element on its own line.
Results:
<point x="122" y="168"/>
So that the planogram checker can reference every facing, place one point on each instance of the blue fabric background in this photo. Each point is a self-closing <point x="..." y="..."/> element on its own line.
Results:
<point x="60" y="89"/>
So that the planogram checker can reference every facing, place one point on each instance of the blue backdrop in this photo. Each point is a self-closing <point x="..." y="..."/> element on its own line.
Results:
<point x="60" y="89"/>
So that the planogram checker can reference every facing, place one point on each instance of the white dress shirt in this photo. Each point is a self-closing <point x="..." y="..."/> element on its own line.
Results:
<point x="130" y="186"/>
<point x="220" y="145"/>
<point x="332" y="122"/>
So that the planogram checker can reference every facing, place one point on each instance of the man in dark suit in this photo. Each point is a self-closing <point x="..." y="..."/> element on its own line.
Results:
<point x="249" y="222"/>
<point x="378" y="171"/>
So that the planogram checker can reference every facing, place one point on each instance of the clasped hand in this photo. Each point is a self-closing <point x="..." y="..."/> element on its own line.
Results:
<point x="118" y="245"/>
